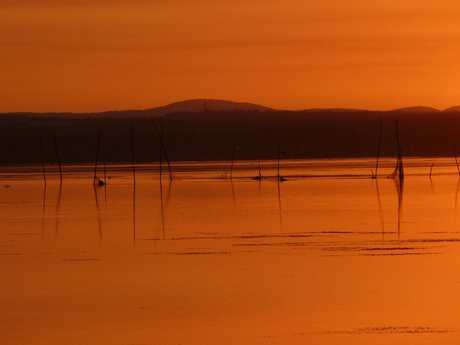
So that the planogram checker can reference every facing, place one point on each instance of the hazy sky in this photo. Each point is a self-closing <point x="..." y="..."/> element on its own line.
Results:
<point x="89" y="55"/>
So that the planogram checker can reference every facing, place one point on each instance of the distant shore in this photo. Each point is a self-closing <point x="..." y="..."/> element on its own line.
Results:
<point x="214" y="135"/>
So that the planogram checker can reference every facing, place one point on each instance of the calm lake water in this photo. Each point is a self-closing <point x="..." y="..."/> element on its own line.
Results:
<point x="328" y="257"/>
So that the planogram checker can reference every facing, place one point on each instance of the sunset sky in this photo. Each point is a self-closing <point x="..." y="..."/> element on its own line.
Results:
<point x="92" y="55"/>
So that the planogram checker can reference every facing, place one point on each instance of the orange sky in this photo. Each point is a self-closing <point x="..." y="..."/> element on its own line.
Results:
<point x="90" y="55"/>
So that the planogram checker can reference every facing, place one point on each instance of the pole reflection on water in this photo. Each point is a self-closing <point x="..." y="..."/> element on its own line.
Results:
<point x="56" y="213"/>
<point x="98" y="213"/>
<point x="379" y="203"/>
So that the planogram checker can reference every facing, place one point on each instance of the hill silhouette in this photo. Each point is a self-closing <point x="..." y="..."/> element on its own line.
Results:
<point x="418" y="110"/>
<point x="201" y="105"/>
<point x="191" y="105"/>
<point x="211" y="133"/>
<point x="453" y="109"/>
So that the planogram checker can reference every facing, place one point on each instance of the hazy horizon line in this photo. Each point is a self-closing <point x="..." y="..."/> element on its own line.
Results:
<point x="422" y="108"/>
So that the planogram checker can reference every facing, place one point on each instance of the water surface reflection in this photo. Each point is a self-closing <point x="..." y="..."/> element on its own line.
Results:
<point x="324" y="260"/>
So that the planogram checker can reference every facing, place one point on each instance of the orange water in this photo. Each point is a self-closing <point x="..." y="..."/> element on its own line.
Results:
<point x="207" y="260"/>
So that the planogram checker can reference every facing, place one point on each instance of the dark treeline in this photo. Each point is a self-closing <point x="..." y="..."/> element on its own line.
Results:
<point x="212" y="135"/>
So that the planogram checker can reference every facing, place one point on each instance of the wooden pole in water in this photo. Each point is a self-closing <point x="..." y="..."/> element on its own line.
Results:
<point x="162" y="146"/>
<point x="456" y="160"/>
<point x="105" y="170"/>
<point x="399" y="163"/>
<point x="232" y="161"/>
<point x="379" y="149"/>
<point x="431" y="169"/>
<point x="42" y="149"/>
<point x="57" y="157"/>
<point x="161" y="153"/>
<point x="133" y="156"/>
<point x="279" y="158"/>
<point x="97" y="157"/>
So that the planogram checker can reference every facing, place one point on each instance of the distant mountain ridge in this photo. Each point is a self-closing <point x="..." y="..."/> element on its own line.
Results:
<point x="191" y="105"/>
<point x="417" y="110"/>
<point x="202" y="105"/>
<point x="455" y="108"/>
<point x="217" y="105"/>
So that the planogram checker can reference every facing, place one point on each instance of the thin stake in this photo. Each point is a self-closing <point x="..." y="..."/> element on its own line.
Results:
<point x="400" y="160"/>
<point x="378" y="150"/>
<point x="161" y="154"/>
<point x="279" y="203"/>
<point x="97" y="157"/>
<point x="42" y="149"/>
<point x="163" y="148"/>
<point x="259" y="176"/>
<point x="105" y="170"/>
<point x="57" y="157"/>
<point x="232" y="161"/>
<point x="105" y="181"/>
<point x="161" y="184"/>
<point x="279" y="158"/>
<point x="133" y="156"/>
<point x="431" y="169"/>
<point x="456" y="160"/>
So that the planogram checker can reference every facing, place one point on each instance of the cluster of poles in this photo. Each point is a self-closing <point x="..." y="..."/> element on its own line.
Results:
<point x="102" y="182"/>
<point x="398" y="171"/>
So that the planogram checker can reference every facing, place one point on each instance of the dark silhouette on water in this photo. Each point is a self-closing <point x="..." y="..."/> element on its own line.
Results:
<point x="376" y="174"/>
<point x="95" y="179"/>
<point x="160" y="136"/>
<point x="105" y="170"/>
<point x="259" y="176"/>
<point x="105" y="182"/>
<point x="278" y="175"/>
<point x="260" y="187"/>
<point x="456" y="160"/>
<point x="160" y="158"/>
<point x="259" y="179"/>
<point x="278" y="182"/>
<point x="399" y="168"/>
<point x="133" y="156"/>
<point x="42" y="151"/>
<point x="235" y="147"/>
<point x="58" y="158"/>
